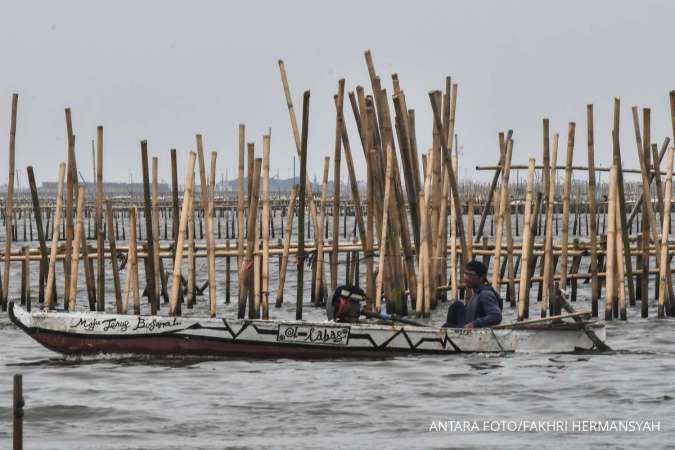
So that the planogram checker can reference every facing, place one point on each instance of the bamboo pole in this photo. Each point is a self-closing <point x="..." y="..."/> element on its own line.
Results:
<point x="10" y="201"/>
<point x="611" y="246"/>
<point x="176" y="285"/>
<point x="44" y="260"/>
<point x="504" y="205"/>
<point x="266" y="228"/>
<point x="595" y="287"/>
<point x="298" y="141"/>
<point x="191" y="273"/>
<point x="453" y="235"/>
<point x="155" y="227"/>
<point x="335" y="237"/>
<point x="55" y="239"/>
<point x="646" y="194"/>
<point x="210" y="239"/>
<point x="566" y="206"/>
<point x="113" y="257"/>
<point x="100" y="265"/>
<point x="301" y="211"/>
<point x="384" y="228"/>
<point x="319" y="237"/>
<point x="621" y="275"/>
<point x="523" y="291"/>
<point x="133" y="266"/>
<point x="151" y="290"/>
<point x="71" y="180"/>
<point x="445" y="147"/>
<point x="240" y="212"/>
<point x="287" y="243"/>
<point x="664" y="268"/>
<point x="75" y="254"/>
<point x="469" y="228"/>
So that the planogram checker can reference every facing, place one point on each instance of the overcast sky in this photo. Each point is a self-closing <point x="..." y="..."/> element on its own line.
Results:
<point x="163" y="71"/>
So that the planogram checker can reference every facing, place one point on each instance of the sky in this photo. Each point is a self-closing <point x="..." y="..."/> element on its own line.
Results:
<point x="166" y="70"/>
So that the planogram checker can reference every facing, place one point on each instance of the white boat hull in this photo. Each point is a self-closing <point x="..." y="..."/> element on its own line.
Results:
<point x="93" y="333"/>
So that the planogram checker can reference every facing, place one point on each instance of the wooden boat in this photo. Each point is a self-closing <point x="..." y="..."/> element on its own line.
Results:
<point x="88" y="333"/>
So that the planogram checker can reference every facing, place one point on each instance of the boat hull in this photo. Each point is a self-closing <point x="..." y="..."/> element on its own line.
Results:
<point x="99" y="333"/>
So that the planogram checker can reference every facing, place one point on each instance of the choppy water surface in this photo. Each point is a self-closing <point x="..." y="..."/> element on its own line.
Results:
<point x="105" y="403"/>
<point x="158" y="404"/>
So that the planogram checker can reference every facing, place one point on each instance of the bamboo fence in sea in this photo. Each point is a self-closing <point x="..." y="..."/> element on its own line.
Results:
<point x="414" y="226"/>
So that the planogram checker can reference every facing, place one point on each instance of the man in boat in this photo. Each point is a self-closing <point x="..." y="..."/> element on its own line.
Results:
<point x="345" y="305"/>
<point x="484" y="308"/>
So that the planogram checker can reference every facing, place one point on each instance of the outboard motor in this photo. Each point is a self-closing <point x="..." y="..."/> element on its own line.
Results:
<point x="345" y="304"/>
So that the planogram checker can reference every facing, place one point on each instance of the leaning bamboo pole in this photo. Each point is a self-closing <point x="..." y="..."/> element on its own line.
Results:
<point x="287" y="244"/>
<point x="176" y="285"/>
<point x="384" y="228"/>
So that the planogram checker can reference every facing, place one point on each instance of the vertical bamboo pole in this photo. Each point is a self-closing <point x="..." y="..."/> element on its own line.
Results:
<point x="191" y="274"/>
<point x="335" y="237"/>
<point x="155" y="227"/>
<point x="523" y="291"/>
<point x="17" y="407"/>
<point x="567" y="187"/>
<point x="150" y="262"/>
<point x="210" y="240"/>
<point x="595" y="286"/>
<point x="113" y="257"/>
<point x="266" y="228"/>
<point x="664" y="269"/>
<point x="240" y="214"/>
<point x="75" y="255"/>
<point x="319" y="237"/>
<point x="10" y="202"/>
<point x="71" y="181"/>
<point x="621" y="276"/>
<point x="133" y="264"/>
<point x="55" y="239"/>
<point x="453" y="237"/>
<point x="384" y="228"/>
<point x="611" y="246"/>
<point x="469" y="228"/>
<point x="100" y="263"/>
<point x="176" y="285"/>
<point x="504" y="206"/>
<point x="301" y="212"/>
<point x="26" y="277"/>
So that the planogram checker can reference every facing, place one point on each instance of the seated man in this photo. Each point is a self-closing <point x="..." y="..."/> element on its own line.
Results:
<point x="345" y="305"/>
<point x="484" y="308"/>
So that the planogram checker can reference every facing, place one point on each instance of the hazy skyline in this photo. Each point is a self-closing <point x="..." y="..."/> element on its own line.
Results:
<point x="164" y="71"/>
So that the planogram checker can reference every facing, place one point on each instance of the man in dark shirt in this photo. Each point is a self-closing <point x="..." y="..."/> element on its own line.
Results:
<point x="484" y="308"/>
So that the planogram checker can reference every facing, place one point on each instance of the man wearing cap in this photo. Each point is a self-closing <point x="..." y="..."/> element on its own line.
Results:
<point x="484" y="308"/>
